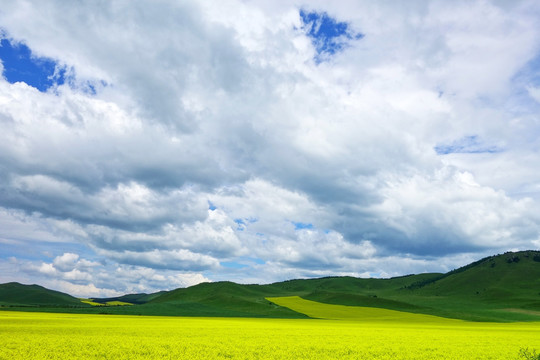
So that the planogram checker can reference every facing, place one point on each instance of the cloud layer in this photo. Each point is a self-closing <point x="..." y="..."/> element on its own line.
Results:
<point x="194" y="142"/>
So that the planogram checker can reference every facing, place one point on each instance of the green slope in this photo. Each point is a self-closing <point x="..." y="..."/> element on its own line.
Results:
<point x="320" y="310"/>
<point x="224" y="299"/>
<point x="511" y="277"/>
<point x="141" y="298"/>
<point x="230" y="299"/>
<point x="15" y="294"/>
<point x="502" y="287"/>
<point x="498" y="288"/>
<point x="353" y="285"/>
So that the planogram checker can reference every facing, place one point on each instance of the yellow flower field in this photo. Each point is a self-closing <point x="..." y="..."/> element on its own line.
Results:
<point x="26" y="335"/>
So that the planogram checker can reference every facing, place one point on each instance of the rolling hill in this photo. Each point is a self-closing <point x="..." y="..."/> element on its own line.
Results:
<point x="140" y="298"/>
<point x="15" y="294"/>
<point x="497" y="288"/>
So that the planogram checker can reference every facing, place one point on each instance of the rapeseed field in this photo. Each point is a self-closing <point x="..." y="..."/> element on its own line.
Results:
<point x="81" y="336"/>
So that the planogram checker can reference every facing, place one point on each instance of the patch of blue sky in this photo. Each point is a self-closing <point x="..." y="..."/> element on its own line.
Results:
<point x="242" y="223"/>
<point x="525" y="95"/>
<point x="530" y="73"/>
<point x="90" y="88"/>
<point x="211" y="206"/>
<point x="302" y="226"/>
<point x="20" y="65"/>
<point x="328" y="35"/>
<point x="242" y="262"/>
<point x="467" y="145"/>
<point x="233" y="265"/>
<point x="257" y="261"/>
<point x="43" y="250"/>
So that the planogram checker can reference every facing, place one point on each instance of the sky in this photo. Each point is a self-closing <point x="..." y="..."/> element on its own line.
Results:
<point x="151" y="145"/>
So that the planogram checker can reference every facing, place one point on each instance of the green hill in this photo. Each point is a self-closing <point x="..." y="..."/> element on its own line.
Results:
<point x="15" y="294"/>
<point x="225" y="299"/>
<point x="231" y="299"/>
<point x="497" y="288"/>
<point x="511" y="277"/>
<point x="141" y="298"/>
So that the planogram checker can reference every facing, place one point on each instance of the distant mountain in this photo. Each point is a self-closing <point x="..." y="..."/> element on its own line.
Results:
<point x="15" y="294"/>
<point x="497" y="288"/>
<point x="141" y="298"/>
<point x="230" y="299"/>
<point x="225" y="298"/>
<point x="513" y="275"/>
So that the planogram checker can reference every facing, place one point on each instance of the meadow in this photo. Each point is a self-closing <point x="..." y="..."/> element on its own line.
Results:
<point x="341" y="332"/>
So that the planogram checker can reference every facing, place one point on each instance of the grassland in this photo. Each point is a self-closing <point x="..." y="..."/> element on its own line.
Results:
<point x="15" y="294"/>
<point x="502" y="288"/>
<point x="107" y="303"/>
<point x="25" y="335"/>
<point x="319" y="310"/>
<point x="326" y="318"/>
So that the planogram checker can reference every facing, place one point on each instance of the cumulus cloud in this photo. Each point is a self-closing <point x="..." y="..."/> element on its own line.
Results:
<point x="170" y="259"/>
<point x="86" y="278"/>
<point x="534" y="92"/>
<point x="65" y="262"/>
<point x="450" y="212"/>
<point x="200" y="141"/>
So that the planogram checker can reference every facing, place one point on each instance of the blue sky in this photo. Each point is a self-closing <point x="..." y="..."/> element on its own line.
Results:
<point x="20" y="65"/>
<point x="154" y="146"/>
<point x="327" y="34"/>
<point x="469" y="144"/>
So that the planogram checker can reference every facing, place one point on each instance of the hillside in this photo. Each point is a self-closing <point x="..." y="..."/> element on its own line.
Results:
<point x="502" y="286"/>
<point x="141" y="298"/>
<point x="511" y="276"/>
<point x="497" y="288"/>
<point x="15" y="294"/>
<point x="230" y="299"/>
<point x="225" y="299"/>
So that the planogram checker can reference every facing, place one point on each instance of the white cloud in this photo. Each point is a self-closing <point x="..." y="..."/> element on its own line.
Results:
<point x="221" y="105"/>
<point x="164" y="259"/>
<point x="466" y="213"/>
<point x="91" y="279"/>
<point x="483" y="56"/>
<point x="534" y="92"/>
<point x="18" y="227"/>
<point x="66" y="262"/>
